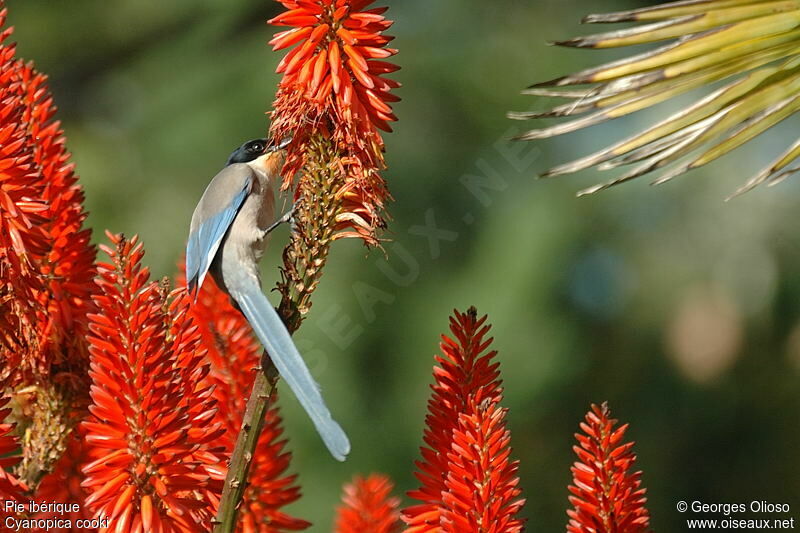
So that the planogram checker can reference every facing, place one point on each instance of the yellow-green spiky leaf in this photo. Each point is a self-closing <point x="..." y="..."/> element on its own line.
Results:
<point x="753" y="45"/>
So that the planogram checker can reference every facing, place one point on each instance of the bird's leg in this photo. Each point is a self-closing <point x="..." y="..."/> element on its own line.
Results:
<point x="284" y="219"/>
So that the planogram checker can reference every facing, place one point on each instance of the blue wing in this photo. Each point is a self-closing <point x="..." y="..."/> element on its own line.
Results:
<point x="205" y="240"/>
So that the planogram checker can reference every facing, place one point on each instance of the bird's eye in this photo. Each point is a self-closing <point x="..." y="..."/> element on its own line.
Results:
<point x="257" y="148"/>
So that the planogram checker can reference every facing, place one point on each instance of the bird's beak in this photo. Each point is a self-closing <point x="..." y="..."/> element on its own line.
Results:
<point x="283" y="144"/>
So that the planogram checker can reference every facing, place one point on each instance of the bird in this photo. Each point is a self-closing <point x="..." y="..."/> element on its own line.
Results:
<point x="227" y="238"/>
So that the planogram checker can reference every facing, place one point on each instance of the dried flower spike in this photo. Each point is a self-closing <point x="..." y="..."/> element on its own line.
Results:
<point x="605" y="497"/>
<point x="63" y="484"/>
<point x="368" y="506"/>
<point x="469" y="483"/>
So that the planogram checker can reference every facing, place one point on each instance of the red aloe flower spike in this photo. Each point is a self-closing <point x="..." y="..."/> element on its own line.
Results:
<point x="368" y="506"/>
<point x="22" y="213"/>
<point x="234" y="356"/>
<point x="338" y="47"/>
<point x="150" y="435"/>
<point x="334" y="85"/>
<point x="68" y="264"/>
<point x="48" y="259"/>
<point x="46" y="266"/>
<point x="59" y="358"/>
<point x="467" y="449"/>
<point x="606" y="498"/>
<point x="482" y="484"/>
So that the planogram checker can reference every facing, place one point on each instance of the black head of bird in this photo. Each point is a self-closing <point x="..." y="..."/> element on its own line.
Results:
<point x="252" y="150"/>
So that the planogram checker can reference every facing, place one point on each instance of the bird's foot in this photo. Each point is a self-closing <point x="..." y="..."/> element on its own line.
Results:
<point x="287" y="217"/>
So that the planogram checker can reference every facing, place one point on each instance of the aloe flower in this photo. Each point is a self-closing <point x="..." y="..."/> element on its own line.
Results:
<point x="469" y="482"/>
<point x="22" y="215"/>
<point x="45" y="254"/>
<point x="46" y="265"/>
<point x="152" y="440"/>
<point x="751" y="45"/>
<point x="334" y="86"/>
<point x="41" y="220"/>
<point x="606" y="496"/>
<point x="368" y="506"/>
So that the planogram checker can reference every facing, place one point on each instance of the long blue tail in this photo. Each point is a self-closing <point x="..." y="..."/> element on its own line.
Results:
<point x="290" y="364"/>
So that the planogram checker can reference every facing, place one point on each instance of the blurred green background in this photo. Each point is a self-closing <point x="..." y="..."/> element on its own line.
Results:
<point x="679" y="309"/>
